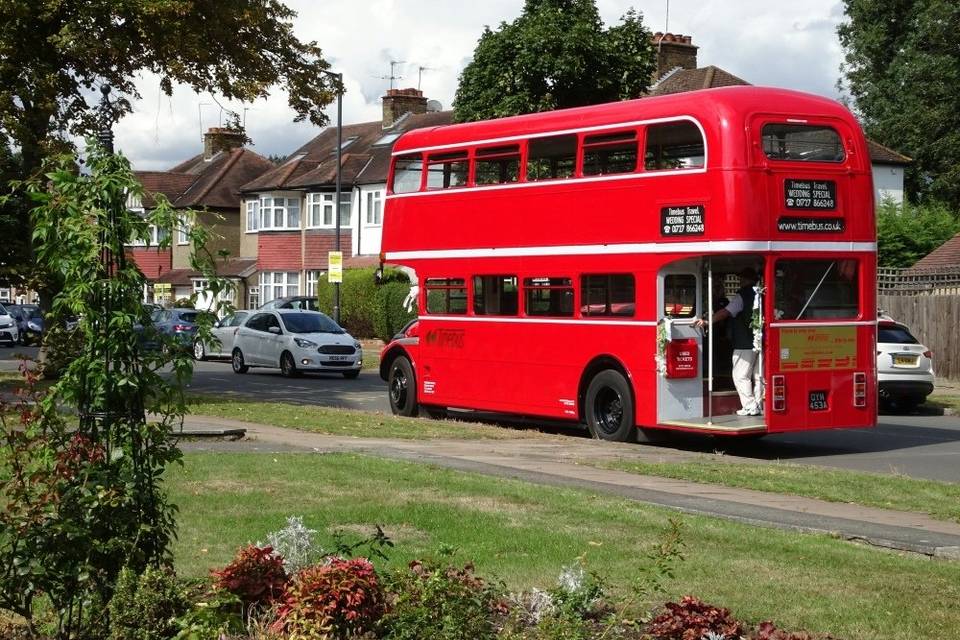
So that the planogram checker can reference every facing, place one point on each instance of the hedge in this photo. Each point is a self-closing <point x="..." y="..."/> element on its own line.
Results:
<point x="368" y="310"/>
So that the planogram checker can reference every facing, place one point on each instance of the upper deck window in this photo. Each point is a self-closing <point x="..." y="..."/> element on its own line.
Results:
<point x="447" y="170"/>
<point x="407" y="171"/>
<point x="497" y="165"/>
<point x="552" y="157"/>
<point x="610" y="153"/>
<point x="801" y="142"/>
<point x="674" y="145"/>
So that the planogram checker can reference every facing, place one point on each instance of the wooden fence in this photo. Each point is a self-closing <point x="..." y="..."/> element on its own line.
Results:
<point x="935" y="321"/>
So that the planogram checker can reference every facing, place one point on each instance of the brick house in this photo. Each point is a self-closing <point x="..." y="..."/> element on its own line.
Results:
<point x="288" y="221"/>
<point x="209" y="184"/>
<point x="677" y="72"/>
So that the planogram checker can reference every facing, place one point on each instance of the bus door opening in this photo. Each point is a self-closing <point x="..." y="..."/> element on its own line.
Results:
<point x="679" y="343"/>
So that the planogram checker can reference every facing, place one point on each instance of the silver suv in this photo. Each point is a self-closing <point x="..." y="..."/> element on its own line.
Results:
<point x="904" y="367"/>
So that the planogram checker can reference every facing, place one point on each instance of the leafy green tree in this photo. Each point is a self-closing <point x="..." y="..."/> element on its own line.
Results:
<point x="902" y="68"/>
<point x="55" y="53"/>
<point x="906" y="234"/>
<point x="556" y="54"/>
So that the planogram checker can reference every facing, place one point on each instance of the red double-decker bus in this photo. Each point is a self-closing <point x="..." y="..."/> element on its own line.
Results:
<point x="563" y="260"/>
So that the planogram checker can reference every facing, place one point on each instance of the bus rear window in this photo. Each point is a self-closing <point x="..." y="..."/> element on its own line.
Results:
<point x="552" y="297"/>
<point x="674" y="145"/>
<point x="610" y="153"/>
<point x="495" y="295"/>
<point x="446" y="295"/>
<point x="497" y="165"/>
<point x="407" y="171"/>
<point x="816" y="289"/>
<point x="800" y="142"/>
<point x="607" y="295"/>
<point x="551" y="157"/>
<point x="447" y="170"/>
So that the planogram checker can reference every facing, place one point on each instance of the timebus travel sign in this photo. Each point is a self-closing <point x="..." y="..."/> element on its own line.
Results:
<point x="818" y="195"/>
<point x="682" y="220"/>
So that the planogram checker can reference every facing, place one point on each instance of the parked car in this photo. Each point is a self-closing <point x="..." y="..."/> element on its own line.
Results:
<point x="904" y="367"/>
<point x="292" y="302"/>
<point x="9" y="334"/>
<point x="225" y="332"/>
<point x="181" y="324"/>
<point x="295" y="340"/>
<point x="29" y="322"/>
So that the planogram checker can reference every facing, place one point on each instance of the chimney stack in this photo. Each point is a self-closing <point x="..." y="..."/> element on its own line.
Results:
<point x="398" y="102"/>
<point x="218" y="139"/>
<point x="673" y="50"/>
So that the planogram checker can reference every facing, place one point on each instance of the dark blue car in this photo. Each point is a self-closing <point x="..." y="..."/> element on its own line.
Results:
<point x="180" y="324"/>
<point x="29" y="322"/>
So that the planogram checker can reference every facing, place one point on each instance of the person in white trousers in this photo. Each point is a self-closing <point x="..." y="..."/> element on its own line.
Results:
<point x="746" y="374"/>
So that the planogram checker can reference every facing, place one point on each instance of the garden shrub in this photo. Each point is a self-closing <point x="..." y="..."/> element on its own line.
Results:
<point x="391" y="315"/>
<point x="340" y="599"/>
<point x="145" y="607"/>
<point x="364" y="311"/>
<point x="256" y="576"/>
<point x="692" y="619"/>
<point x="295" y="545"/>
<point x="443" y="603"/>
<point x="213" y="615"/>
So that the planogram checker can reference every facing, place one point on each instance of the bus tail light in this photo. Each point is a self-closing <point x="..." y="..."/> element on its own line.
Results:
<point x="779" y="393"/>
<point x="859" y="389"/>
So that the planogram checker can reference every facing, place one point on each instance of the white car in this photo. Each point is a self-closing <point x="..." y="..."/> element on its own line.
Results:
<point x="8" y="327"/>
<point x="225" y="332"/>
<point x="295" y="340"/>
<point x="904" y="367"/>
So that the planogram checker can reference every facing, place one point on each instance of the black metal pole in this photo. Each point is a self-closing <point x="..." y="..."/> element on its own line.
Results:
<point x="336" y="240"/>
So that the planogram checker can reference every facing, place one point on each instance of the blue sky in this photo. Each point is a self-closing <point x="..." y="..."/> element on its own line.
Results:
<point x="766" y="42"/>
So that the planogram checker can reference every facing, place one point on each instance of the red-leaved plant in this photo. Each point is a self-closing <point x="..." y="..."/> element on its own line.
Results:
<point x="256" y="576"/>
<point x="692" y="619"/>
<point x="335" y="600"/>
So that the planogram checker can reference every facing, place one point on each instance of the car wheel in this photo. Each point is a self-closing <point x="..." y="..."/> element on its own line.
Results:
<point x="350" y="375"/>
<point x="402" y="385"/>
<point x="288" y="368"/>
<point x="199" y="352"/>
<point x="238" y="363"/>
<point x="608" y="408"/>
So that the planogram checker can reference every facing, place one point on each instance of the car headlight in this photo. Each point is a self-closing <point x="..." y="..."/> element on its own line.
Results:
<point x="6" y="325"/>
<point x="33" y="326"/>
<point x="357" y="345"/>
<point x="304" y="344"/>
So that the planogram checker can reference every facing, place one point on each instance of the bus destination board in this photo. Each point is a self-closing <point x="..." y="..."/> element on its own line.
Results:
<point x="817" y="195"/>
<point x="682" y="220"/>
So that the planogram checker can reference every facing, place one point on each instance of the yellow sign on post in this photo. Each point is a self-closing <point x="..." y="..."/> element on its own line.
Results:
<point x="335" y="266"/>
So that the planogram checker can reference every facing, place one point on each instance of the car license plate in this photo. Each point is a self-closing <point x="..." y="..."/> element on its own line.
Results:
<point x="904" y="361"/>
<point x="818" y="401"/>
<point x="337" y="358"/>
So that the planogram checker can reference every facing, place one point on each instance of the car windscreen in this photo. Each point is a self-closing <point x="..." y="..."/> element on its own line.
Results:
<point x="189" y="316"/>
<point x="893" y="334"/>
<point x="310" y="323"/>
<point x="3" y="311"/>
<point x="34" y="313"/>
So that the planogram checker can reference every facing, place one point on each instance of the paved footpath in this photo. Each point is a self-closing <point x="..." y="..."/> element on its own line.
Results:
<point x="558" y="462"/>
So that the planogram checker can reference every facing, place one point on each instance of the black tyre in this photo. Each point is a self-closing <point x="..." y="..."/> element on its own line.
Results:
<point x="199" y="351"/>
<point x="288" y="368"/>
<point x="237" y="362"/>
<point x="608" y="407"/>
<point x="350" y="375"/>
<point x="402" y="387"/>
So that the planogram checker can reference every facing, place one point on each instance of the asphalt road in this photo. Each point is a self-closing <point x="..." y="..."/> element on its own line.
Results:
<point x="920" y="446"/>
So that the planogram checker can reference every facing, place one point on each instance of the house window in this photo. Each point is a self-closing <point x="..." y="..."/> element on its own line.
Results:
<point x="253" y="215"/>
<point x="253" y="297"/>
<point x="279" y="284"/>
<point x="199" y="286"/>
<point x="320" y="209"/>
<point x="4" y="295"/>
<point x="312" y="278"/>
<point x="279" y="213"/>
<point x="374" y="207"/>
<point x="157" y="236"/>
<point x="183" y="229"/>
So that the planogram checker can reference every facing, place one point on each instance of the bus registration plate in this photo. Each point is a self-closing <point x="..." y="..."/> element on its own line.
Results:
<point x="818" y="401"/>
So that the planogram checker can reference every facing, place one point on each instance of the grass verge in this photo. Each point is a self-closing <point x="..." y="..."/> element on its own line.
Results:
<point x="939" y="499"/>
<point x="525" y="533"/>
<point x="944" y="401"/>
<point x="346" y="422"/>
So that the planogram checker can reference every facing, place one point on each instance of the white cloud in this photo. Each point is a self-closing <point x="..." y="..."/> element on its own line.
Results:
<point x="773" y="42"/>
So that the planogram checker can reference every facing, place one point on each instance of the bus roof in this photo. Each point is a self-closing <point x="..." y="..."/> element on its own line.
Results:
<point x="704" y="105"/>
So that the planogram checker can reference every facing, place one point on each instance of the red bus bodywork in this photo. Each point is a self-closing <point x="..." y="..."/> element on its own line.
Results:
<point x="600" y="224"/>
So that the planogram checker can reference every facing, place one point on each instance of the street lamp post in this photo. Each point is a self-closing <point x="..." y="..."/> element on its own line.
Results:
<point x="336" y="206"/>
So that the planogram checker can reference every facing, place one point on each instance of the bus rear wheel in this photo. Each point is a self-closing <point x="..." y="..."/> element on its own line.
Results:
<point x="608" y="408"/>
<point x="402" y="385"/>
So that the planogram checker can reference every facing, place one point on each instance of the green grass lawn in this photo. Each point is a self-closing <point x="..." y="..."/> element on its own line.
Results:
<point x="944" y="401"/>
<point x="939" y="499"/>
<point x="345" y="422"/>
<point x="524" y="534"/>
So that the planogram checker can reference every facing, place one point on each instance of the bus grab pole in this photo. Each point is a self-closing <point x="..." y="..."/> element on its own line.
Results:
<point x="709" y="342"/>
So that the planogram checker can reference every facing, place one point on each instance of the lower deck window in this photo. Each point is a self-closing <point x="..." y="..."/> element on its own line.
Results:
<point x="607" y="295"/>
<point x="551" y="297"/>
<point x="817" y="289"/>
<point x="680" y="295"/>
<point x="495" y="295"/>
<point x="446" y="295"/>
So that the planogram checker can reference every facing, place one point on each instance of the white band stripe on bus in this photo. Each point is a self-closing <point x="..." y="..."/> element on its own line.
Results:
<point x="529" y="320"/>
<point x="707" y="246"/>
